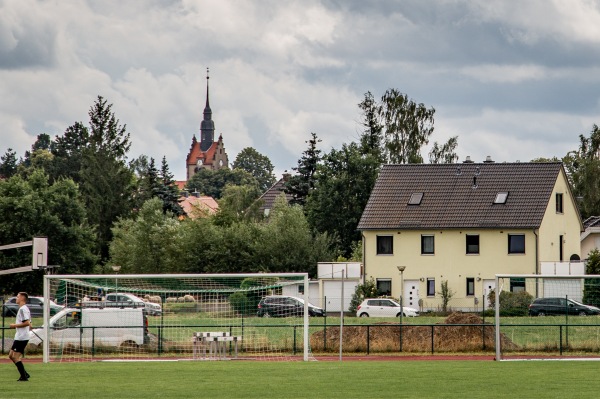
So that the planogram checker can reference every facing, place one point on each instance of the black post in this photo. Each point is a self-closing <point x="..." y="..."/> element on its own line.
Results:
<point x="294" y="339"/>
<point x="368" y="339"/>
<point x="325" y="323"/>
<point x="432" y="332"/>
<point x="560" y="339"/>
<point x="483" y="322"/>
<point x="401" y="311"/>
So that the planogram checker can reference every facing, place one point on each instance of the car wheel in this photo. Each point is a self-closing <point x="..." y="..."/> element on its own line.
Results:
<point x="364" y="315"/>
<point x="541" y="314"/>
<point x="582" y="313"/>
<point x="266" y="314"/>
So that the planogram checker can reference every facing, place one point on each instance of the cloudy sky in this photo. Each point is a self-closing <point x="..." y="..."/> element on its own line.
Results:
<point x="514" y="80"/>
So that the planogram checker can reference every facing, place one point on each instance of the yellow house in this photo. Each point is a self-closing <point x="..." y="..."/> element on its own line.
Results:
<point x="426" y="224"/>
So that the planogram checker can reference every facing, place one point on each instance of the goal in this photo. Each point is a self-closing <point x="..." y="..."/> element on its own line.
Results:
<point x="547" y="317"/>
<point x="171" y="317"/>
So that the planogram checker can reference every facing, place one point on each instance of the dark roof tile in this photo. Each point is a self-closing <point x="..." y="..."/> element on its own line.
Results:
<point x="460" y="196"/>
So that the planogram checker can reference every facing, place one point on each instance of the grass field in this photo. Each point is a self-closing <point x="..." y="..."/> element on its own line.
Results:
<point x="348" y="379"/>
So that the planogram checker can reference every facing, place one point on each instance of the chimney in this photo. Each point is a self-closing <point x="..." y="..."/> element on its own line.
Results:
<point x="468" y="160"/>
<point x="488" y="159"/>
<point x="196" y="194"/>
<point x="286" y="176"/>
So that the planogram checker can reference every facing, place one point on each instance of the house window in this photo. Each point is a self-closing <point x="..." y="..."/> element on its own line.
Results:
<point x="470" y="286"/>
<point x="301" y="289"/>
<point x="384" y="287"/>
<point x="501" y="198"/>
<point x="427" y="245"/>
<point x="516" y="243"/>
<point x="385" y="245"/>
<point x="517" y="284"/>
<point x="430" y="287"/>
<point x="472" y="243"/>
<point x="561" y="248"/>
<point x="559" y="203"/>
<point x="415" y="199"/>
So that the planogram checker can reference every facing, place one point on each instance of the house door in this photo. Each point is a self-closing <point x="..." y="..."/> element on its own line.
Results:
<point x="488" y="286"/>
<point x="411" y="294"/>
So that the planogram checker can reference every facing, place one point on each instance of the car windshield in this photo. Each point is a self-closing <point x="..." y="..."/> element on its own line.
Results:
<point x="577" y="303"/>
<point x="302" y="302"/>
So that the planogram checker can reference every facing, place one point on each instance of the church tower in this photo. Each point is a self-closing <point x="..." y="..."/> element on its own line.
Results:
<point x="207" y="153"/>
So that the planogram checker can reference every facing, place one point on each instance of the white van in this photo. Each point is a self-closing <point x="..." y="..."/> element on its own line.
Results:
<point x="97" y="324"/>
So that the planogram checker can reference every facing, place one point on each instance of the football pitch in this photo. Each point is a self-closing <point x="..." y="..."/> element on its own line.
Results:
<point x="317" y="379"/>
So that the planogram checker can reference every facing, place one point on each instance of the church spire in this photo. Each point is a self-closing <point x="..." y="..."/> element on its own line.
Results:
<point x="207" y="127"/>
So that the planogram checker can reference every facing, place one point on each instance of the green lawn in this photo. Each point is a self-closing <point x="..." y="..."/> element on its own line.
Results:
<point x="348" y="379"/>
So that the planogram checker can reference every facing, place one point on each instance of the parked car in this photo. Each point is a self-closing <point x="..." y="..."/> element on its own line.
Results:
<point x="153" y="309"/>
<point x="92" y="324"/>
<point x="383" y="307"/>
<point x="560" y="306"/>
<point x="35" y="305"/>
<point x="285" y="306"/>
<point x="67" y="300"/>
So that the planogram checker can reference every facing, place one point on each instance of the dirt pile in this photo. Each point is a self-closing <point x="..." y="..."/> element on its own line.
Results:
<point x="460" y="332"/>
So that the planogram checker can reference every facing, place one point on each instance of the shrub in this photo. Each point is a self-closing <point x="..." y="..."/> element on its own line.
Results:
<point x="511" y="303"/>
<point x="362" y="291"/>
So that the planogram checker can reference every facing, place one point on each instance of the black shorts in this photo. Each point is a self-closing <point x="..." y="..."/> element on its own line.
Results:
<point x="19" y="346"/>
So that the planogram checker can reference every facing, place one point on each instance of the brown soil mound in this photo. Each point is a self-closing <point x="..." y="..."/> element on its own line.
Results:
<point x="460" y="332"/>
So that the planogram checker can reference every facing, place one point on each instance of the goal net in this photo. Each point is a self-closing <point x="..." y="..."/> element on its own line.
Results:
<point x="168" y="317"/>
<point x="547" y="317"/>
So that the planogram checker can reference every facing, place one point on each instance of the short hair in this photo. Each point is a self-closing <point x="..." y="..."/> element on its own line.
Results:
<point x="23" y="293"/>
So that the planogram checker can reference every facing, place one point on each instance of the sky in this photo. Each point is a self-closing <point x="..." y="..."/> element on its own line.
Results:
<point x="514" y="80"/>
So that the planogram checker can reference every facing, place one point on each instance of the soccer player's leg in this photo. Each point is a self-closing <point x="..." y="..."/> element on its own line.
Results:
<point x="16" y="354"/>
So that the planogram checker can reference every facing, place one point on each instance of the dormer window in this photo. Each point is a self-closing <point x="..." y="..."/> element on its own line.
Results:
<point x="501" y="197"/>
<point x="415" y="199"/>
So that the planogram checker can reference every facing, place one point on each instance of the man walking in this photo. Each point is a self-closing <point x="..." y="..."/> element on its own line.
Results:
<point x="21" y="336"/>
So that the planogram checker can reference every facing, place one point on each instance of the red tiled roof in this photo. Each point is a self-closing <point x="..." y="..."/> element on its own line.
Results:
<point x="195" y="206"/>
<point x="460" y="196"/>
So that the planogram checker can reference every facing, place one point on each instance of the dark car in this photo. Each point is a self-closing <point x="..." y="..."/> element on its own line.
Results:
<point x="560" y="306"/>
<point x="35" y="305"/>
<point x="285" y="306"/>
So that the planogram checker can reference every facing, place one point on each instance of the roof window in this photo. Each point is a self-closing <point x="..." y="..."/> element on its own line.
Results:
<point x="415" y="199"/>
<point x="501" y="197"/>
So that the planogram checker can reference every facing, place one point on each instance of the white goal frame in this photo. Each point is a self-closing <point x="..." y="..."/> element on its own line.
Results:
<point x="299" y="277"/>
<point x="499" y="288"/>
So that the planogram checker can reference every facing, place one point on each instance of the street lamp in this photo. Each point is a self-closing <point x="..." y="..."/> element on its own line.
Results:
<point x="401" y="270"/>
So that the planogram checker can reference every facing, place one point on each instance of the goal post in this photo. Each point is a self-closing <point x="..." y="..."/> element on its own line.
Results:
<point x="173" y="317"/>
<point x="546" y="316"/>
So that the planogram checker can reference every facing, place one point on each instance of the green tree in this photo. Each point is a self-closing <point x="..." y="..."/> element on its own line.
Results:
<point x="446" y="293"/>
<point x="8" y="163"/>
<point x="149" y="243"/>
<point x="591" y="287"/>
<point x="361" y="292"/>
<point x="238" y="204"/>
<point x="583" y="169"/>
<point x="289" y="245"/>
<point x="444" y="153"/>
<point x="106" y="181"/>
<point x="68" y="152"/>
<point x="32" y="206"/>
<point x="407" y="127"/>
<point x="371" y="140"/>
<point x="213" y="183"/>
<point x="257" y="165"/>
<point x="303" y="182"/>
<point x="344" y="179"/>
<point x="169" y="192"/>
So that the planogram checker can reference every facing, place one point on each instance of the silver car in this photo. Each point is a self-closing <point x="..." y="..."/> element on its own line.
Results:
<point x="383" y="307"/>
